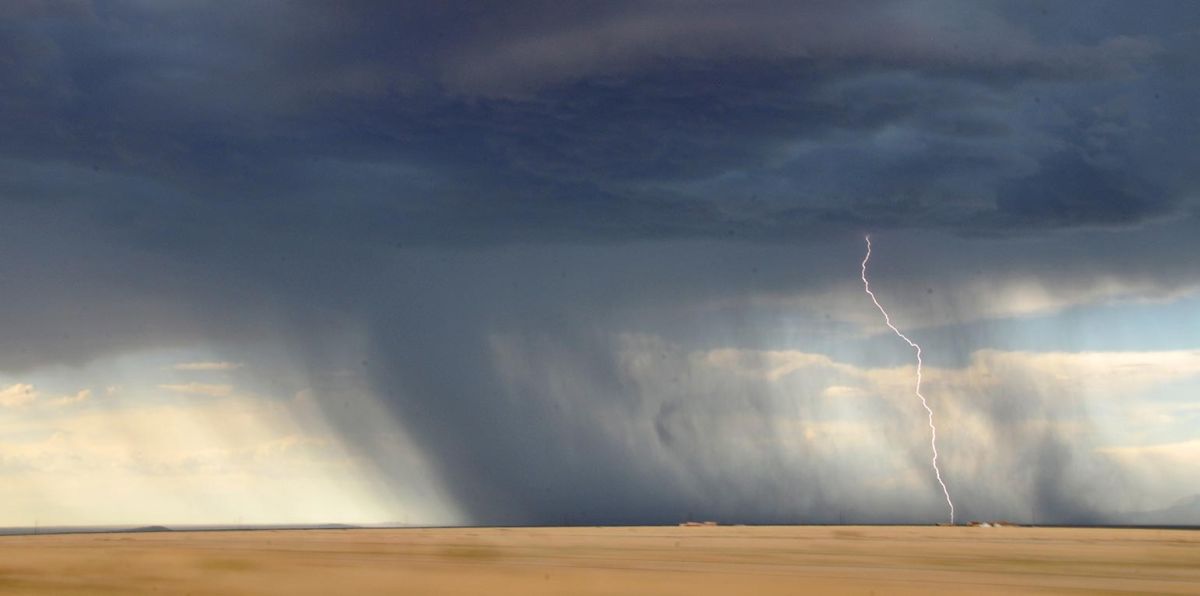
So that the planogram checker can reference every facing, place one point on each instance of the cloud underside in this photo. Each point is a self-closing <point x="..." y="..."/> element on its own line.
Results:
<point x="598" y="121"/>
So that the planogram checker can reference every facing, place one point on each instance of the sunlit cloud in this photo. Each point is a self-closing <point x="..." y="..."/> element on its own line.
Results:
<point x="772" y="365"/>
<point x="843" y="391"/>
<point x="208" y="366"/>
<point x="213" y="390"/>
<point x="267" y="461"/>
<point x="1171" y="469"/>
<point x="70" y="400"/>
<point x="17" y="395"/>
<point x="1184" y="453"/>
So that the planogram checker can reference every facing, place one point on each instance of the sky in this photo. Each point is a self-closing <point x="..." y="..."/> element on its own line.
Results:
<point x="598" y="262"/>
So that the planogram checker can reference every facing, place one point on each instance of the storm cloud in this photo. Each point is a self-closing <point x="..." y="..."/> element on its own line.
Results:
<point x="541" y="220"/>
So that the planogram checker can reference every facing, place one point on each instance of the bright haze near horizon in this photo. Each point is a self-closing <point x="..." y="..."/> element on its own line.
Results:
<point x="597" y="262"/>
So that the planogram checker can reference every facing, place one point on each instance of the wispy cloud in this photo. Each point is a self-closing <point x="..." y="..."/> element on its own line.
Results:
<point x="207" y="366"/>
<point x="69" y="400"/>
<point x="17" y="396"/>
<point x="213" y="390"/>
<point x="991" y="298"/>
<point x="21" y="395"/>
<point x="1182" y="451"/>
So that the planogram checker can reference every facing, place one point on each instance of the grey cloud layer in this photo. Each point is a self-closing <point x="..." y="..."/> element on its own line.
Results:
<point x="614" y="120"/>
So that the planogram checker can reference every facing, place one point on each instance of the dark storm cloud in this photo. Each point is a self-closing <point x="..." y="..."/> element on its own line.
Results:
<point x="614" y="120"/>
<point x="1069" y="192"/>
<point x="534" y="179"/>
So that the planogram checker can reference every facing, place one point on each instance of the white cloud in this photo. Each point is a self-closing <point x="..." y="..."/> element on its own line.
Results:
<point x="770" y="364"/>
<point x="1182" y="453"/>
<point x="208" y="366"/>
<point x="69" y="400"/>
<point x="1094" y="373"/>
<point x="18" y="395"/>
<point x="1111" y="374"/>
<point x="844" y="391"/>
<point x="213" y="390"/>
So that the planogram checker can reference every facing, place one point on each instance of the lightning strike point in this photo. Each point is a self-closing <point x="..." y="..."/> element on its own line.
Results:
<point x="932" y="429"/>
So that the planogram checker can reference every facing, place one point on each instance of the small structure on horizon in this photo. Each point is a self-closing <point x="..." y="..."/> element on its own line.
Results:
<point x="992" y="524"/>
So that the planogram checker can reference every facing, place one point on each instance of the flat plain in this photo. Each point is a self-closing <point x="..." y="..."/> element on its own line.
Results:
<point x="609" y="560"/>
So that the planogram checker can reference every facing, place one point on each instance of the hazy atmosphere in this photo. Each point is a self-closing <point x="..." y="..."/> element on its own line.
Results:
<point x="598" y="262"/>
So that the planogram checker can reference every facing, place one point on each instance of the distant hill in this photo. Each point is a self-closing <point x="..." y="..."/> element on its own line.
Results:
<point x="150" y="529"/>
<point x="1184" y="512"/>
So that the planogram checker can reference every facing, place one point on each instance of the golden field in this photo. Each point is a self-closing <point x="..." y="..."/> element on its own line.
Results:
<point x="639" y="560"/>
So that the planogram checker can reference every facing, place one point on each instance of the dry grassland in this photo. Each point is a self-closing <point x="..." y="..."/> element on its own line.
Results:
<point x="643" y="560"/>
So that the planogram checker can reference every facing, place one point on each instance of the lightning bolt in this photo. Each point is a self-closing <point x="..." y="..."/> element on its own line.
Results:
<point x="932" y="429"/>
